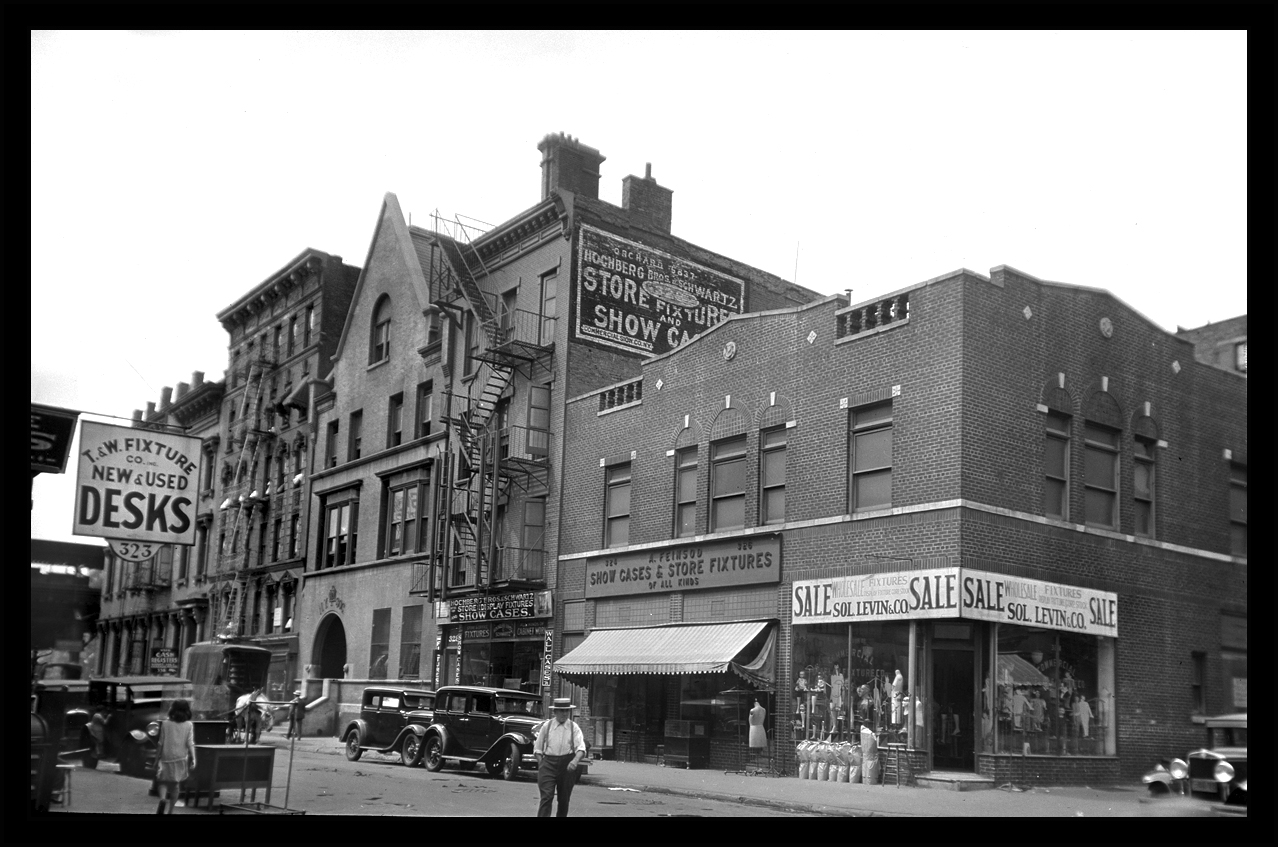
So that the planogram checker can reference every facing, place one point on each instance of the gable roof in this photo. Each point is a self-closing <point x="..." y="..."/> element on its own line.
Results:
<point x="390" y="224"/>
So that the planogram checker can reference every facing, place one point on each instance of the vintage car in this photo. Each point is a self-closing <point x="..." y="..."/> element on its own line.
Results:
<point x="63" y="704"/>
<point x="490" y="727"/>
<point x="127" y="709"/>
<point x="390" y="720"/>
<point x="1217" y="771"/>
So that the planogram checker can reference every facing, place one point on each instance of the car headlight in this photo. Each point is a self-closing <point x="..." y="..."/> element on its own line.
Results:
<point x="1178" y="769"/>
<point x="1223" y="772"/>
<point x="153" y="729"/>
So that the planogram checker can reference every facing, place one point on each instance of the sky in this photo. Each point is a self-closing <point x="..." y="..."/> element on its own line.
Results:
<point x="172" y="172"/>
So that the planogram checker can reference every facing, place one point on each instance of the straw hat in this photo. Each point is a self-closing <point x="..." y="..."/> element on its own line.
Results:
<point x="563" y="703"/>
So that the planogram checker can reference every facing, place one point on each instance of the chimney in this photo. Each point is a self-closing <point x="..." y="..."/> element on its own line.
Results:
<point x="648" y="203"/>
<point x="197" y="379"/>
<point x="150" y="410"/>
<point x="182" y="389"/>
<point x="137" y="416"/>
<point x="166" y="395"/>
<point x="569" y="165"/>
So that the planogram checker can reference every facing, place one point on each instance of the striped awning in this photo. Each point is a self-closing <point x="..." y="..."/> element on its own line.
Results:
<point x="694" y="648"/>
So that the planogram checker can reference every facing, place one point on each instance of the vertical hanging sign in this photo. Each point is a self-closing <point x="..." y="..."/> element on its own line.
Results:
<point x="547" y="662"/>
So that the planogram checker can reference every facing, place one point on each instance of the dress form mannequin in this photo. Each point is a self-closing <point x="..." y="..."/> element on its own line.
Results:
<point x="758" y="735"/>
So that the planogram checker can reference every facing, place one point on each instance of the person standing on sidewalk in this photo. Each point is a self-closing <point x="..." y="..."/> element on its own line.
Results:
<point x="176" y="754"/>
<point x="558" y="748"/>
<point x="296" y="711"/>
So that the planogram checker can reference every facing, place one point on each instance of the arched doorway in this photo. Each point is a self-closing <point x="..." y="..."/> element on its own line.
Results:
<point x="330" y="647"/>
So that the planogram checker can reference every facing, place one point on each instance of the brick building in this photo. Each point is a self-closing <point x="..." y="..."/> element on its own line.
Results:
<point x="1223" y="344"/>
<point x="439" y="470"/>
<point x="999" y="520"/>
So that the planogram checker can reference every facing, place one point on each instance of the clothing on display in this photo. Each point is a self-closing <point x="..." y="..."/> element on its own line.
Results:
<point x="758" y="734"/>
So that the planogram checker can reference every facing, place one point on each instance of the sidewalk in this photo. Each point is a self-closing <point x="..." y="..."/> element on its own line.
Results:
<point x="858" y="800"/>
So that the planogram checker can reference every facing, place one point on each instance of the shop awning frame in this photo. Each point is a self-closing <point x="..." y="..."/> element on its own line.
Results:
<point x="678" y="649"/>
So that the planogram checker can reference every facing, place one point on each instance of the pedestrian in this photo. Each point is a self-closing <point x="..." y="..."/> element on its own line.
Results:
<point x="176" y="754"/>
<point x="296" y="711"/>
<point x="558" y="748"/>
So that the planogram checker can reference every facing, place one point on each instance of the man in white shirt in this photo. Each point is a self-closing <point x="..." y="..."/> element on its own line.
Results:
<point x="558" y="748"/>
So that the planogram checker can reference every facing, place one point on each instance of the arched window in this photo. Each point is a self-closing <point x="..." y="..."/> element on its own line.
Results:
<point x="379" y="339"/>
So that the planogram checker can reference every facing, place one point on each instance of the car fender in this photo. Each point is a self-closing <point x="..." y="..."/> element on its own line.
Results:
<point x="411" y="729"/>
<point x="519" y="739"/>
<point x="139" y="736"/>
<point x="437" y="731"/>
<point x="361" y="725"/>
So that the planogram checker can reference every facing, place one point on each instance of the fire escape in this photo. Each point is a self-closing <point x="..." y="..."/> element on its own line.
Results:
<point x="251" y="440"/>
<point x="488" y="456"/>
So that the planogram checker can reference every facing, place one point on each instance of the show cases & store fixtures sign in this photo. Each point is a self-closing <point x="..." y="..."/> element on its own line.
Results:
<point x="633" y="298"/>
<point x="711" y="564"/>
<point x="955" y="593"/>
<point x="498" y="607"/>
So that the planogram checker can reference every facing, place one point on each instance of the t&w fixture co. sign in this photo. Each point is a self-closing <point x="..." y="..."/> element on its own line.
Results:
<point x="712" y="564"/>
<point x="136" y="484"/>
<point x="636" y="299"/>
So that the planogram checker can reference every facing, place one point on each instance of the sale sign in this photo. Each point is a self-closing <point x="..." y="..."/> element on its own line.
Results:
<point x="136" y="484"/>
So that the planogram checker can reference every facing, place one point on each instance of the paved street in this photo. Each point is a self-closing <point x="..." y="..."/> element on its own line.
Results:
<point x="323" y="782"/>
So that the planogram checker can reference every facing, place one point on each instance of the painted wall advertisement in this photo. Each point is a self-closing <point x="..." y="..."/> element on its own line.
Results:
<point x="636" y="299"/>
<point x="497" y="607"/>
<point x="713" y="564"/>
<point x="136" y="484"/>
<point x="955" y="593"/>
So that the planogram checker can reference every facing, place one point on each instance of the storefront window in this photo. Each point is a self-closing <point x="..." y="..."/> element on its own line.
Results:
<point x="844" y="677"/>
<point x="1052" y="694"/>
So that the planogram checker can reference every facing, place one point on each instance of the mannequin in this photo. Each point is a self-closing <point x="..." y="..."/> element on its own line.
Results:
<point x="837" y="682"/>
<point x="758" y="735"/>
<point x="898" y="686"/>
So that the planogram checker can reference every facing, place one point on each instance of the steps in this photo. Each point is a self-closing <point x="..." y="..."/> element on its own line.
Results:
<point x="953" y="781"/>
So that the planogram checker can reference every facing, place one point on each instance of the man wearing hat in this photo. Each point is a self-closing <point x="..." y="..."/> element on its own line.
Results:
<point x="558" y="748"/>
<point x="296" y="711"/>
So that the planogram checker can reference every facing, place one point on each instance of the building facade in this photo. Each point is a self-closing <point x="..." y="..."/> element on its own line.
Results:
<point x="998" y="520"/>
<point x="1223" y="344"/>
<point x="281" y="335"/>
<point x="439" y="467"/>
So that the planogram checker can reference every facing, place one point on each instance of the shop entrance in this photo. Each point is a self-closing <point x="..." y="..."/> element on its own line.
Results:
<point x="953" y="709"/>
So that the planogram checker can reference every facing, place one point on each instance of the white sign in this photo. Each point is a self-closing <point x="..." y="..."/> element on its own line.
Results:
<point x="954" y="593"/>
<point x="1033" y="602"/>
<point x="136" y="484"/>
<point x="902" y="595"/>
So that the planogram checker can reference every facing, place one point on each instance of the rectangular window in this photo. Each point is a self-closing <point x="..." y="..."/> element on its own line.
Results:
<point x="356" y="436"/>
<point x="433" y="329"/>
<point x="1240" y="356"/>
<point x="549" y="296"/>
<point x="871" y="458"/>
<point x="727" y="484"/>
<point x="402" y="533"/>
<point x="425" y="408"/>
<point x="472" y="344"/>
<point x="293" y="523"/>
<point x="340" y="534"/>
<point x="1100" y="475"/>
<point x="617" y="506"/>
<point x="261" y="542"/>
<point x="410" y="643"/>
<point x="330" y="444"/>
<point x="1056" y="467"/>
<point x="1143" y="487"/>
<point x="292" y="335"/>
<point x="380" y="350"/>
<point x="1237" y="510"/>
<point x="772" y="446"/>
<point x="279" y="533"/>
<point x="532" y="539"/>
<point x="310" y="326"/>
<point x="379" y="644"/>
<point x="1198" y="671"/>
<point x="685" y="518"/>
<point x="538" y="420"/>
<point x="279" y="343"/>
<point x="395" y="421"/>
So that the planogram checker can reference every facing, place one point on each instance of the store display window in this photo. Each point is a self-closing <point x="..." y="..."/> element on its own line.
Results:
<point x="1051" y="693"/>
<point x="846" y="677"/>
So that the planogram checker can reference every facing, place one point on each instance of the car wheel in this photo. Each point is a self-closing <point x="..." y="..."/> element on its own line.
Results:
<point x="434" y="755"/>
<point x="352" y="746"/>
<point x="510" y="764"/>
<point x="410" y="753"/>
<point x="1158" y="788"/>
